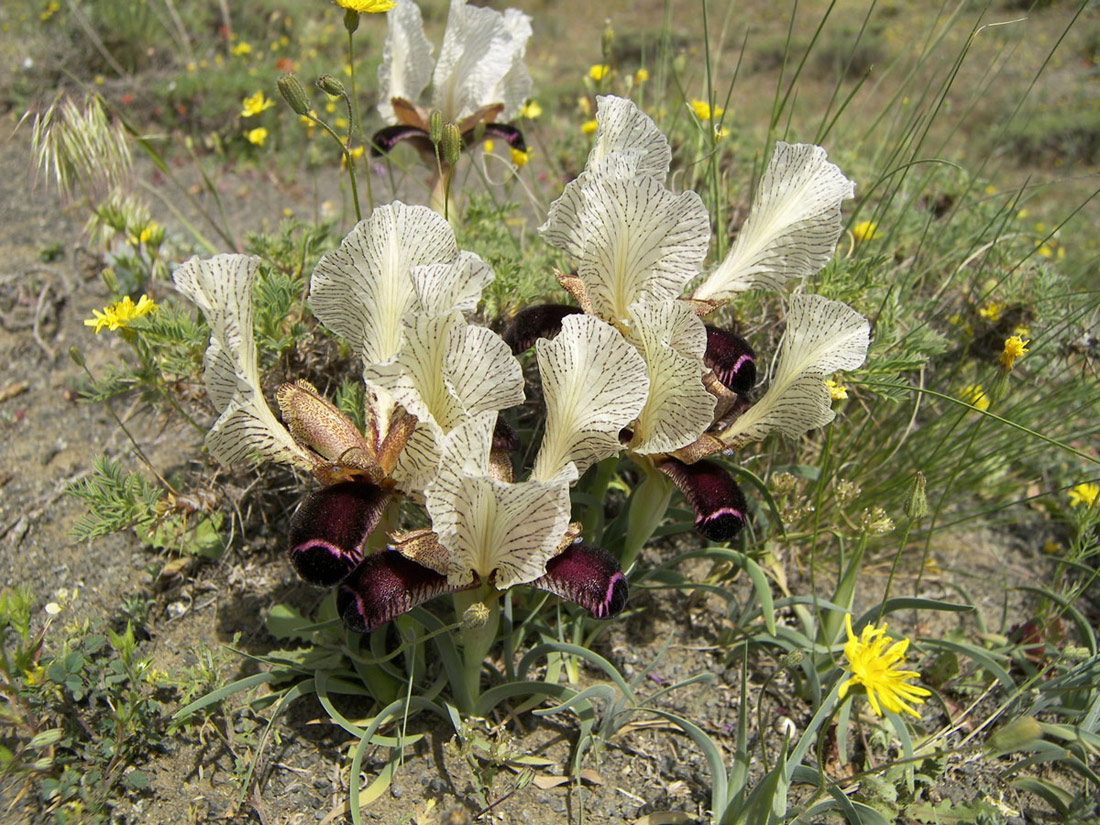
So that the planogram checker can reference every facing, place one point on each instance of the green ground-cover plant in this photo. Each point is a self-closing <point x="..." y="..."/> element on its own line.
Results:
<point x="968" y="409"/>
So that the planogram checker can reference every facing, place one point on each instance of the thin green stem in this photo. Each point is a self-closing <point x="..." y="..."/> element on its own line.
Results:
<point x="356" y="123"/>
<point x="348" y="160"/>
<point x="894" y="568"/>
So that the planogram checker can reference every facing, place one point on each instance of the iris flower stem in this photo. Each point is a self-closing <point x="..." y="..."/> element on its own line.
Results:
<point x="476" y="642"/>
<point x="593" y="520"/>
<point x="355" y="119"/>
<point x="348" y="159"/>
<point x="647" y="508"/>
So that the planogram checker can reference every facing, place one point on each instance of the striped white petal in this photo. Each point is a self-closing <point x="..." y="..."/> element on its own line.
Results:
<point x="363" y="290"/>
<point x="407" y="64"/>
<point x="443" y="288"/>
<point x="822" y="337"/>
<point x="622" y="127"/>
<point x="447" y="371"/>
<point x="506" y="532"/>
<point x="594" y="384"/>
<point x="792" y="228"/>
<point x="481" y="62"/>
<point x="672" y="340"/>
<point x="643" y="243"/>
<point x="221" y="287"/>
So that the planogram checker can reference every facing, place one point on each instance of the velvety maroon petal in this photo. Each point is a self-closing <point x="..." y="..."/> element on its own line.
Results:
<point x="731" y="358"/>
<point x="588" y="576"/>
<point x="509" y="134"/>
<point x="328" y="531"/>
<point x="383" y="586"/>
<point x="536" y="322"/>
<point x="385" y="139"/>
<point x="504" y="437"/>
<point x="718" y="502"/>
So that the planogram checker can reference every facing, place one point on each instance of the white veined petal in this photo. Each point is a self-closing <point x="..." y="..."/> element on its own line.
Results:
<point x="622" y="127"/>
<point x="481" y="371"/>
<point x="363" y="290"/>
<point x="221" y="287"/>
<point x="565" y="226"/>
<point x="443" y="288"/>
<point x="479" y="51"/>
<point x="793" y="225"/>
<point x="679" y="408"/>
<point x="822" y="337"/>
<point x="594" y="384"/>
<point x="515" y="87"/>
<point x="642" y="243"/>
<point x="491" y="528"/>
<point x="407" y="64"/>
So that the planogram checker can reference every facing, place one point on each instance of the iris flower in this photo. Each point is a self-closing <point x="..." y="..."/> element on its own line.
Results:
<point x="398" y="291"/>
<point x="478" y="79"/>
<point x="636" y="246"/>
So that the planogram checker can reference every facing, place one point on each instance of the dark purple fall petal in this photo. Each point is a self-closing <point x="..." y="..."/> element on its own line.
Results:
<point x="382" y="587"/>
<point x="536" y="322"/>
<point x="509" y="134"/>
<point x="718" y="502"/>
<point x="385" y="139"/>
<point x="504" y="437"/>
<point x="731" y="358"/>
<point x="328" y="531"/>
<point x="588" y="576"/>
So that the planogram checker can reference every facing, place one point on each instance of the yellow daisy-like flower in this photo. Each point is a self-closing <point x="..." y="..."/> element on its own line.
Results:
<point x="975" y="396"/>
<point x="1081" y="494"/>
<point x="254" y="104"/>
<point x="865" y="231"/>
<point x="241" y="49"/>
<point x="118" y="315"/>
<point x="589" y="126"/>
<point x="837" y="391"/>
<point x="874" y="660"/>
<point x="530" y="110"/>
<point x="641" y="76"/>
<point x="1015" y="347"/>
<point x="256" y="136"/>
<point x="366" y="6"/>
<point x="992" y="311"/>
<point x="487" y="146"/>
<point x="703" y="111"/>
<point x="599" y="71"/>
<point x="520" y="158"/>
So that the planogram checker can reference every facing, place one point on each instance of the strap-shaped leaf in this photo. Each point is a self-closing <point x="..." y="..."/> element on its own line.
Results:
<point x="822" y="337"/>
<point x="792" y="228"/>
<point x="671" y="338"/>
<point x="594" y="384"/>
<point x="407" y="64"/>
<point x="363" y="290"/>
<point x="221" y="287"/>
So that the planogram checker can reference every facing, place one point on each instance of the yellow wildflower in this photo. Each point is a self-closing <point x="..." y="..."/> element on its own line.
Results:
<point x="589" y="126"/>
<point x="1015" y="346"/>
<point x="599" y="71"/>
<point x="865" y="231"/>
<point x="837" y="391"/>
<point x="487" y="146"/>
<point x="1052" y="547"/>
<point x="51" y="9"/>
<point x="254" y="104"/>
<point x="874" y="660"/>
<point x="241" y="49"/>
<point x="118" y="315"/>
<point x="641" y="76"/>
<point x="340" y="123"/>
<point x="703" y="111"/>
<point x="721" y="132"/>
<point x="975" y="396"/>
<point x="992" y="311"/>
<point x="1086" y="493"/>
<point x="366" y="6"/>
<point x="520" y="158"/>
<point x="530" y="110"/>
<point x="585" y="105"/>
<point x="256" y="136"/>
<point x="307" y="121"/>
